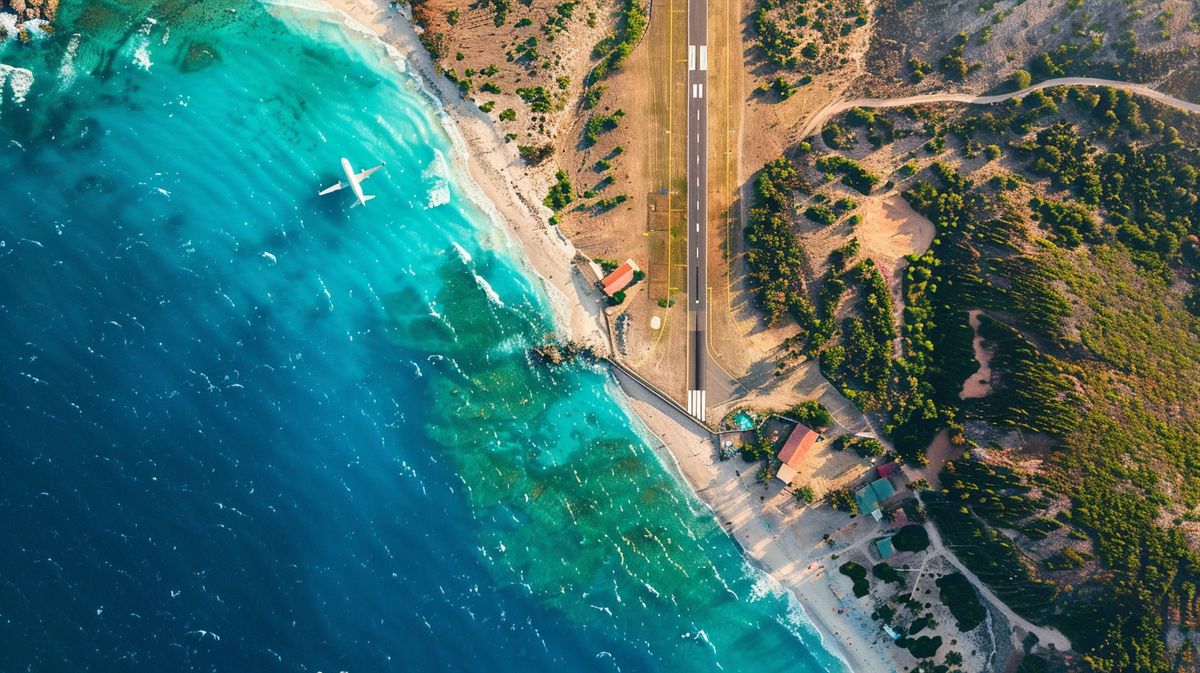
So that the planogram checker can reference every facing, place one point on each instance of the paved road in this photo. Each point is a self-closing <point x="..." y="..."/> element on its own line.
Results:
<point x="697" y="206"/>
<point x="818" y="120"/>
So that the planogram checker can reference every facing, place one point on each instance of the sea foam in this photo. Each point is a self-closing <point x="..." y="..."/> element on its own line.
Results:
<point x="19" y="80"/>
<point x="66" y="69"/>
<point x="438" y="172"/>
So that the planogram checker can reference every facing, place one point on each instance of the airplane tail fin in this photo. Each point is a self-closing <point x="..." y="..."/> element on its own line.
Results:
<point x="365" y="198"/>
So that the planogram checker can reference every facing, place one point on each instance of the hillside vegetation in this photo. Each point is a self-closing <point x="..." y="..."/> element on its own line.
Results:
<point x="980" y="44"/>
<point x="1076" y="237"/>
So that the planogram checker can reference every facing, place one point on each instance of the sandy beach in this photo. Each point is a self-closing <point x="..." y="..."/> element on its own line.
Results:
<point x="779" y="535"/>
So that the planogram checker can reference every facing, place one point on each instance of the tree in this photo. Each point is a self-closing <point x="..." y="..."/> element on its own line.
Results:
<point x="911" y="538"/>
<point x="804" y="494"/>
<point x="842" y="499"/>
<point x="811" y="413"/>
<point x="1021" y="79"/>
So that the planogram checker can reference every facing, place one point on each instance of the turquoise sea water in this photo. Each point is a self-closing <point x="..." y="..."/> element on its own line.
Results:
<point x="243" y="428"/>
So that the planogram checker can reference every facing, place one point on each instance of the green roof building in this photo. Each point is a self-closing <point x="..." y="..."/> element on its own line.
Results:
<point x="872" y="494"/>
<point x="884" y="547"/>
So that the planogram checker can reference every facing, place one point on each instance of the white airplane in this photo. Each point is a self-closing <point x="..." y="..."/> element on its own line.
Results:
<point x="355" y="181"/>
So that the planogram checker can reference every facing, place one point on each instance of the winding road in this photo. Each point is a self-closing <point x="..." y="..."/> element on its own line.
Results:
<point x="824" y="114"/>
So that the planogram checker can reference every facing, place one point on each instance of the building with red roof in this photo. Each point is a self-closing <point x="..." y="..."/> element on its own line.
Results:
<point x="888" y="469"/>
<point x="792" y="454"/>
<point x="620" y="278"/>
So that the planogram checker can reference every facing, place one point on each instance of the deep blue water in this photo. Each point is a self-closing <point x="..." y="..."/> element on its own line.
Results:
<point x="246" y="428"/>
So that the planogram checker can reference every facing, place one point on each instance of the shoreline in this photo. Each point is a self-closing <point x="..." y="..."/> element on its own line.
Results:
<point x="778" y="549"/>
<point x="481" y="158"/>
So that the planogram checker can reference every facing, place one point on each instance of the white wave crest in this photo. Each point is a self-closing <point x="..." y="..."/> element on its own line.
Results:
<point x="66" y="69"/>
<point x="141" y="54"/>
<point x="487" y="289"/>
<point x="462" y="253"/>
<point x="8" y="26"/>
<point x="765" y="586"/>
<point x="438" y="171"/>
<point x="141" y="57"/>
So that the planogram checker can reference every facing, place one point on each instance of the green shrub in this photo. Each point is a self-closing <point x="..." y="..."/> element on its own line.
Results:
<point x="842" y="499"/>
<point x="960" y="597"/>
<point x="921" y="648"/>
<point x="821" y="214"/>
<point x="858" y="575"/>
<point x="811" y="413"/>
<point x="535" y="154"/>
<point x="538" y="98"/>
<point x="887" y="573"/>
<point x="614" y="49"/>
<point x="911" y="538"/>
<point x="561" y="194"/>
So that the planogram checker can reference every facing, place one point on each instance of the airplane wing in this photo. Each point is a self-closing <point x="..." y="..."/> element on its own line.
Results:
<point x="330" y="189"/>
<point x="363" y="175"/>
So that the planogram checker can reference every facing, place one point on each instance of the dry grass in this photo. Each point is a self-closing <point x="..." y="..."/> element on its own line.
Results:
<point x="1004" y="35"/>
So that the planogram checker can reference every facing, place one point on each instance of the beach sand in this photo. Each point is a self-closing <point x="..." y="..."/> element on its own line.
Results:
<point x="783" y="538"/>
<point x="778" y="534"/>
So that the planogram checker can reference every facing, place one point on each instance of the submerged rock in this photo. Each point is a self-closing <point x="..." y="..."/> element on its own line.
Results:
<point x="554" y="352"/>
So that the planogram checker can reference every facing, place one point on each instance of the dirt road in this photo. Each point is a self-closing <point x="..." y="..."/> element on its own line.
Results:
<point x="1046" y="635"/>
<point x="824" y="114"/>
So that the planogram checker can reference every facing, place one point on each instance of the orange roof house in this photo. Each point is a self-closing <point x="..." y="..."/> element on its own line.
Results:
<point x="792" y="454"/>
<point x="620" y="278"/>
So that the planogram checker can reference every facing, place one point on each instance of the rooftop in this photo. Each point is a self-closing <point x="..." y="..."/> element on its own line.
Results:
<point x="888" y="469"/>
<point x="872" y="494"/>
<point x="884" y="547"/>
<point x="620" y="278"/>
<point x="799" y="442"/>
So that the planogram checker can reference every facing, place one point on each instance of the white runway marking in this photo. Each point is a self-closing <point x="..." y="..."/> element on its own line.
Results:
<point x="704" y="57"/>
<point x="691" y="57"/>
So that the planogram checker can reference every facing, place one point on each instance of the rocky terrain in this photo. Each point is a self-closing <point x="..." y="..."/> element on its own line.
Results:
<point x="28" y="10"/>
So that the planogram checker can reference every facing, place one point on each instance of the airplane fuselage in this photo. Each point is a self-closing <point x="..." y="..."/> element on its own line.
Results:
<point x="352" y="178"/>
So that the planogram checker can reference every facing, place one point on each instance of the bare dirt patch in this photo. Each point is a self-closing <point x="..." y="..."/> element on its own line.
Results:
<point x="978" y="384"/>
<point x="891" y="229"/>
<point x="940" y="450"/>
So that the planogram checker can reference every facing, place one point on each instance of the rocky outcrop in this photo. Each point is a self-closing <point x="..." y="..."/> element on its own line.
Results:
<point x="27" y="10"/>
<point x="553" y="352"/>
